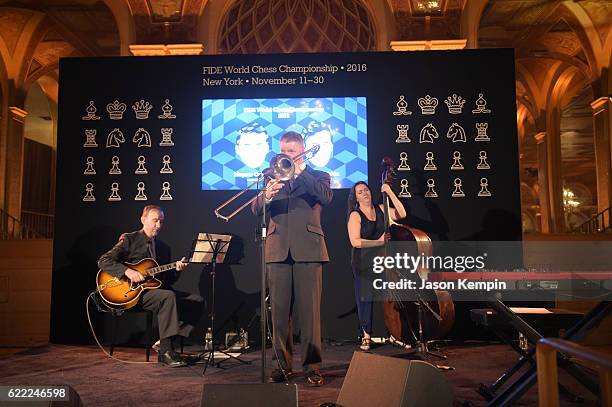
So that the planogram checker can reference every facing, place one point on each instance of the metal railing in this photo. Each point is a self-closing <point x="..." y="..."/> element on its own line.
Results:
<point x="40" y="223"/>
<point x="12" y="229"/>
<point x="599" y="223"/>
<point x="546" y="360"/>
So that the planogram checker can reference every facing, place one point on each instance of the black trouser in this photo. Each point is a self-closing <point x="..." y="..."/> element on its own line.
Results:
<point x="164" y="303"/>
<point x="296" y="284"/>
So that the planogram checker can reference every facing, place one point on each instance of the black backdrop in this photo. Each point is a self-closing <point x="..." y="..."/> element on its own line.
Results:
<point x="85" y="229"/>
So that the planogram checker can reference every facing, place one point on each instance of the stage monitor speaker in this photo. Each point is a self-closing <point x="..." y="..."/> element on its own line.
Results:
<point x="251" y="395"/>
<point x="374" y="380"/>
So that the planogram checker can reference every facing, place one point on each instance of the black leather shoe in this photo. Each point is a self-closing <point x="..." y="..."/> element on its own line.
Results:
<point x="277" y="376"/>
<point x="171" y="359"/>
<point x="314" y="378"/>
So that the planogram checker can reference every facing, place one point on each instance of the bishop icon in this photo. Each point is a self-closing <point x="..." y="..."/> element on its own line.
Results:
<point x="167" y="111"/>
<point x="402" y="107"/>
<point x="481" y="105"/>
<point x="91" y="112"/>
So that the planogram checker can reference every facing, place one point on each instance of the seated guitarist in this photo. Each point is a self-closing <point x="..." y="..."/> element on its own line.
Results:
<point x="135" y="246"/>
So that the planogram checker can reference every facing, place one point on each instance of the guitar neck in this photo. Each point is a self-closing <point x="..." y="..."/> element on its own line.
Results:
<point x="160" y="269"/>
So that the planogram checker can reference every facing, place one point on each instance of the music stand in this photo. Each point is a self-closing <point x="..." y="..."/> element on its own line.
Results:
<point x="210" y="248"/>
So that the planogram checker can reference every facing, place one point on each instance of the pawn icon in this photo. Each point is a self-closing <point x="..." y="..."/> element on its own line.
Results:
<point x="140" y="196"/>
<point x="484" y="190"/>
<point x="403" y="162"/>
<point x="115" y="170"/>
<point x="141" y="168"/>
<point x="457" y="192"/>
<point x="430" y="166"/>
<point x="166" y="167"/>
<point x="404" y="193"/>
<point x="457" y="161"/>
<point x="483" y="164"/>
<point x="89" y="197"/>
<point x="89" y="169"/>
<point x="165" y="196"/>
<point x="114" y="196"/>
<point x="431" y="192"/>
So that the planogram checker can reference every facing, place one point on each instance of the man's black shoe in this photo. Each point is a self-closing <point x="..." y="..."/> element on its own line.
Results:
<point x="314" y="378"/>
<point x="277" y="376"/>
<point x="171" y="359"/>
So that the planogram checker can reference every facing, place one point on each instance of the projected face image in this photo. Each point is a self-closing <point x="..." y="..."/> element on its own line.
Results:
<point x="252" y="145"/>
<point x="321" y="135"/>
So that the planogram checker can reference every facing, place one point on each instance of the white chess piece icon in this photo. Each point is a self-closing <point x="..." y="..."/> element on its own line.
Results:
<point x="428" y="105"/>
<point x="140" y="196"/>
<point x="141" y="166"/>
<point x="166" y="111"/>
<point x="166" y="137"/>
<point x="429" y="166"/>
<point x="114" y="196"/>
<point x="91" y="112"/>
<point x="142" y="109"/>
<point x="142" y="137"/>
<point x="89" y="197"/>
<point x="483" y="164"/>
<point x="403" y="166"/>
<point x="90" y="138"/>
<point x="455" y="104"/>
<point x="404" y="193"/>
<point x="166" y="167"/>
<point x="481" y="132"/>
<point x="402" y="134"/>
<point x="165" y="196"/>
<point x="428" y="134"/>
<point x="457" y="192"/>
<point x="457" y="133"/>
<point x="481" y="105"/>
<point x="402" y="107"/>
<point x="457" y="161"/>
<point x="114" y="138"/>
<point x="484" y="190"/>
<point x="115" y="110"/>
<point x="431" y="192"/>
<point x="115" y="170"/>
<point x="89" y="169"/>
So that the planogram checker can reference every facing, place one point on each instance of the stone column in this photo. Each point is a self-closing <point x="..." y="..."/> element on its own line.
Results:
<point x="545" y="212"/>
<point x="14" y="161"/>
<point x="602" y="127"/>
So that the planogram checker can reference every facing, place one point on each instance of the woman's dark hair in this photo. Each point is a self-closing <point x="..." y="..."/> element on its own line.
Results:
<point x="352" y="198"/>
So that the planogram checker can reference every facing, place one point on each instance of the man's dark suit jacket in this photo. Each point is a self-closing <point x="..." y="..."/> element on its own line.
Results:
<point x="295" y="219"/>
<point x="131" y="248"/>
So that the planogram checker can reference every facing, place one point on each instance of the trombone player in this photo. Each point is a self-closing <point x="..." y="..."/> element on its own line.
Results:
<point x="295" y="253"/>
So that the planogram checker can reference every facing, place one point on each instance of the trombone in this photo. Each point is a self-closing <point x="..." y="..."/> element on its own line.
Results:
<point x="282" y="168"/>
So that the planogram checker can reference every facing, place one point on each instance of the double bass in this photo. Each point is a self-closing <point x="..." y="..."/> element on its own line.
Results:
<point x="402" y="317"/>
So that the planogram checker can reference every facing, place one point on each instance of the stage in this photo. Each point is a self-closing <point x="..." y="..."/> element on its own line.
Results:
<point x="101" y="381"/>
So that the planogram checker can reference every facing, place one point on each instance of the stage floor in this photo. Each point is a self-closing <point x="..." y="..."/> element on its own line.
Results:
<point x="101" y="381"/>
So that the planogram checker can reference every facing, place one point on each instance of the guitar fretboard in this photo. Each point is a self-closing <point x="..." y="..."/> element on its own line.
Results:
<point x="160" y="269"/>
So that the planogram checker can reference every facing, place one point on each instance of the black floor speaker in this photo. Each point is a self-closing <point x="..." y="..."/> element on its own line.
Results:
<point x="374" y="380"/>
<point x="252" y="395"/>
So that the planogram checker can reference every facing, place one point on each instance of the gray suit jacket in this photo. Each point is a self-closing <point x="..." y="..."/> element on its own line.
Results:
<point x="295" y="219"/>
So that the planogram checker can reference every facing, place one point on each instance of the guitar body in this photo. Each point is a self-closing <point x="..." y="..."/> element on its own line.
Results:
<point x="121" y="293"/>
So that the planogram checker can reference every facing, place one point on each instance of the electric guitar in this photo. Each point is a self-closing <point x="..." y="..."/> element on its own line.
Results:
<point x="122" y="293"/>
